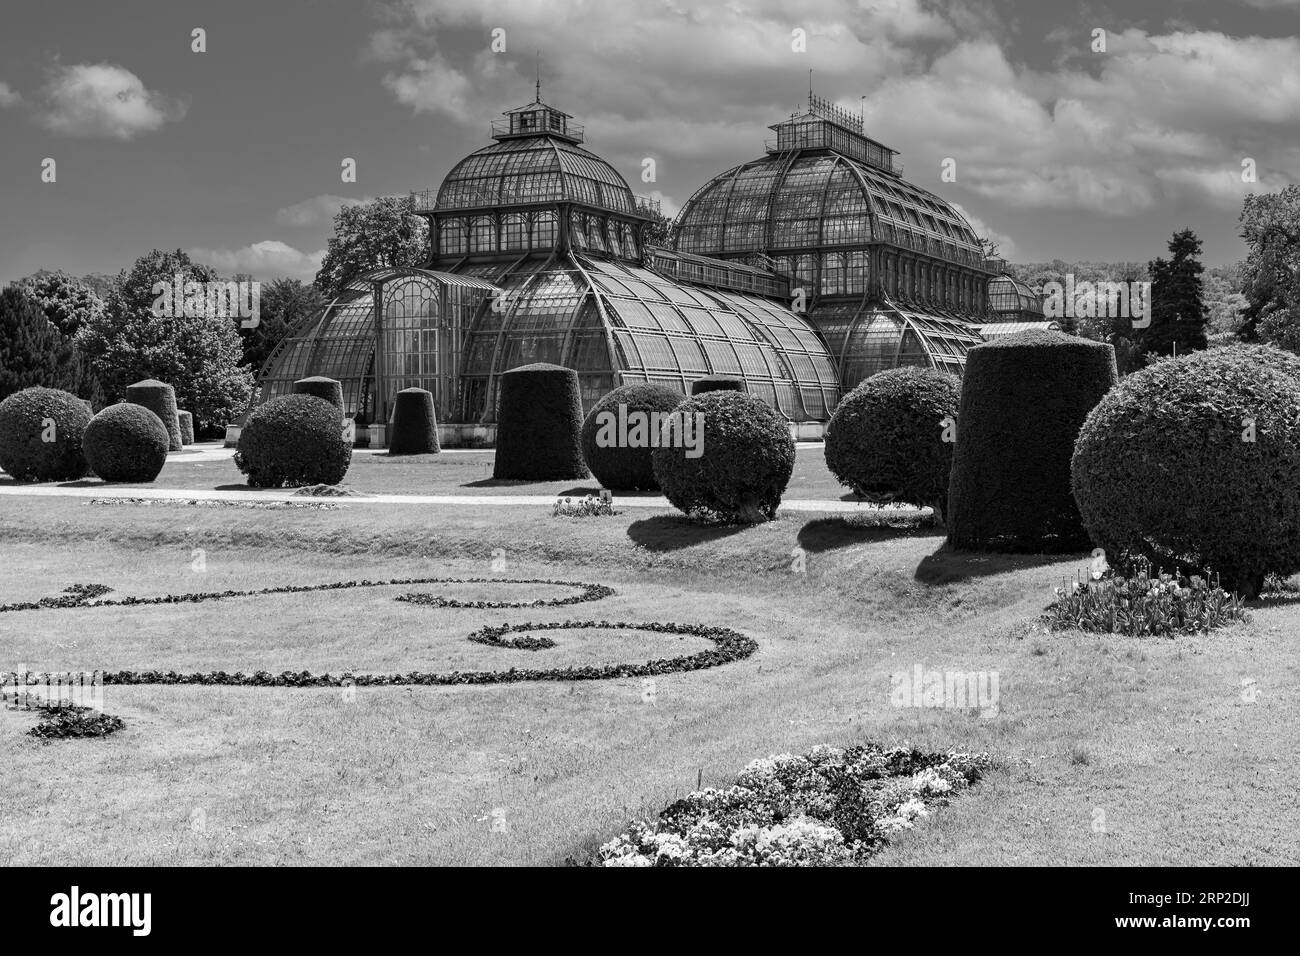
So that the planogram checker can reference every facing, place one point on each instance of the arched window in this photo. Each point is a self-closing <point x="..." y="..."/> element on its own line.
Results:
<point x="483" y="235"/>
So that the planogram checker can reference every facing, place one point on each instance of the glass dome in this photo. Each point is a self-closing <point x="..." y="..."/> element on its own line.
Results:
<point x="1012" y="300"/>
<point x="534" y="169"/>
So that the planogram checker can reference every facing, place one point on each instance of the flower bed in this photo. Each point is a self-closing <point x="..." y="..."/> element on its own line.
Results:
<point x="831" y="807"/>
<point x="588" y="507"/>
<point x="1144" y="605"/>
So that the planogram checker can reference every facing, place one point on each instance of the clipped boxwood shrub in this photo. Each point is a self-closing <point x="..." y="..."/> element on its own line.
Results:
<point x="1023" y="400"/>
<point x="186" y="421"/>
<point x="40" y="435"/>
<point x="414" y="430"/>
<point x="747" y="456"/>
<point x="886" y="438"/>
<point x="1194" y="465"/>
<point x="327" y="388"/>
<point x="293" y="440"/>
<point x="539" y="425"/>
<point x="718" y="383"/>
<point x="159" y="398"/>
<point x="619" y="434"/>
<point x="126" y="442"/>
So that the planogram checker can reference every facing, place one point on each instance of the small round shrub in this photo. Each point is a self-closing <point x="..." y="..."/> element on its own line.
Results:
<point x="415" y="426"/>
<point x="40" y="435"/>
<point x="291" y="441"/>
<point x="126" y="442"/>
<point x="159" y="398"/>
<point x="539" y="425"/>
<point x="187" y="426"/>
<point x="744" y="461"/>
<point x="1023" y="399"/>
<point x="886" y="438"/>
<point x="327" y="388"/>
<point x="718" y="383"/>
<point x="619" y="434"/>
<point x="1192" y="464"/>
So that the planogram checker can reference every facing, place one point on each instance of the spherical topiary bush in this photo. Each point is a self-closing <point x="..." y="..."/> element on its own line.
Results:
<point x="729" y="459"/>
<point x="415" y="427"/>
<point x="40" y="435"/>
<point x="539" y="425"/>
<point x="718" y="383"/>
<point x="1194" y="464"/>
<point x="327" y="388"/>
<point x="621" y="431"/>
<point x="186" y="421"/>
<point x="159" y="398"/>
<point x="126" y="442"/>
<point x="293" y="440"/>
<point x="886" y="438"/>
<point x="1023" y="399"/>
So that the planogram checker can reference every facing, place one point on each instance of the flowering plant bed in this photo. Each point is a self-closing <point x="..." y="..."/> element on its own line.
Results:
<point x="588" y="507"/>
<point x="1144" y="605"/>
<point x="831" y="807"/>
<point x="64" y="722"/>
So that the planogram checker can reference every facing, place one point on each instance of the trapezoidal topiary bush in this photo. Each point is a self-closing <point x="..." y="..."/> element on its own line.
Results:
<point x="159" y="398"/>
<point x="1023" y="400"/>
<point x="718" y="383"/>
<point x="1193" y="464"/>
<point x="886" y="439"/>
<point x="186" y="421"/>
<point x="622" y="430"/>
<point x="730" y="460"/>
<point x="329" y="389"/>
<point x="414" y="430"/>
<point x="539" y="425"/>
<point x="40" y="435"/>
<point x="291" y="441"/>
<point x="126" y="442"/>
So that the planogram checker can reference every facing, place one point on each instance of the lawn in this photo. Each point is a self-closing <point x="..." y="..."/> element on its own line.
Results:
<point x="1092" y="736"/>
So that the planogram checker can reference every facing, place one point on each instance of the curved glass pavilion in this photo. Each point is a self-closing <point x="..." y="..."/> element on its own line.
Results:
<point x="1011" y="300"/>
<point x="802" y="272"/>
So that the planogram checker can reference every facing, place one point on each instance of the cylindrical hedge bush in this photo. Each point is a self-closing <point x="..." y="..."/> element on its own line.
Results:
<point x="126" y="442"/>
<point x="1194" y="464"/>
<point x="539" y="425"/>
<point x="40" y="435"/>
<point x="718" y="383"/>
<point x="327" y="388"/>
<point x="186" y="421"/>
<point x="159" y="398"/>
<point x="293" y="440"/>
<point x="1023" y="400"/>
<point x="886" y="439"/>
<point x="730" y="458"/>
<point x="620" y="433"/>
<point x="414" y="429"/>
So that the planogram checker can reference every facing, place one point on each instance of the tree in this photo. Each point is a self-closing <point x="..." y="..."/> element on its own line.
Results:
<point x="1270" y="276"/>
<point x="1178" y="313"/>
<point x="32" y="352"/>
<point x="198" y="355"/>
<point x="66" y="301"/>
<point x="285" y="302"/>
<point x="660" y="231"/>
<point x="383" y="233"/>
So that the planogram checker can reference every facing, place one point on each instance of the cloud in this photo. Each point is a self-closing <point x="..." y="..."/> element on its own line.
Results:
<point x="103" y="100"/>
<point x="8" y="96"/>
<point x="269" y="259"/>
<point x="1006" y="245"/>
<point x="316" y="210"/>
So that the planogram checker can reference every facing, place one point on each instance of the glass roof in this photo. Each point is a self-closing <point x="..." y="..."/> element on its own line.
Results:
<point x="1010" y="297"/>
<point x="534" y="169"/>
<point x="818" y="199"/>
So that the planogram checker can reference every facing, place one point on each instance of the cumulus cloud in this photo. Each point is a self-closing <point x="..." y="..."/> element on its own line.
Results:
<point x="8" y="96"/>
<point x="104" y="100"/>
<point x="1006" y="245"/>
<point x="269" y="259"/>
<point x="316" y="210"/>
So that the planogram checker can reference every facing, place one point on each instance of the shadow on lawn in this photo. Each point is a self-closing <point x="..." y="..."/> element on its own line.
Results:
<point x="946" y="566"/>
<point x="826" y="534"/>
<point x="674" y="532"/>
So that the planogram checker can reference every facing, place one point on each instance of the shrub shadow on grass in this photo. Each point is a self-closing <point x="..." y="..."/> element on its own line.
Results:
<point x="947" y="566"/>
<point x="826" y="534"/>
<point x="581" y="490"/>
<point x="674" y="532"/>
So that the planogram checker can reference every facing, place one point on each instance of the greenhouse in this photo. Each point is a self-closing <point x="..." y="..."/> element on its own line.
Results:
<point x="802" y="273"/>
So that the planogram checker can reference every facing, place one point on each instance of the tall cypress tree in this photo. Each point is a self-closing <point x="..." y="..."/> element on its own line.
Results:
<point x="1178" y="312"/>
<point x="32" y="352"/>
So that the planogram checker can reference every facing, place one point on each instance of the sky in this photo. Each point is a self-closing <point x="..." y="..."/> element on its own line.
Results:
<point x="1065" y="142"/>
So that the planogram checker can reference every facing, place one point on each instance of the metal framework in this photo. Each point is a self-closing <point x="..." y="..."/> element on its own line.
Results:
<point x="1011" y="300"/>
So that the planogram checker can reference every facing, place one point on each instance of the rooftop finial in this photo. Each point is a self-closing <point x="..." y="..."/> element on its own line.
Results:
<point x="539" y="76"/>
<point x="810" y="91"/>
